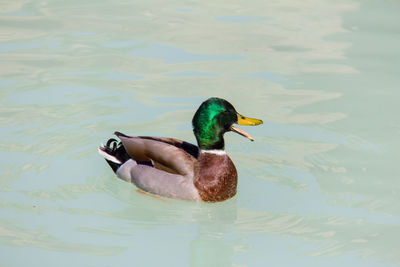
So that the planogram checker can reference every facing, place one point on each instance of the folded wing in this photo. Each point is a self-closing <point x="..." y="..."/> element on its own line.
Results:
<point x="167" y="154"/>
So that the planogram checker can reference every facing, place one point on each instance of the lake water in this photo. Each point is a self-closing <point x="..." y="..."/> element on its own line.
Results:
<point x="319" y="186"/>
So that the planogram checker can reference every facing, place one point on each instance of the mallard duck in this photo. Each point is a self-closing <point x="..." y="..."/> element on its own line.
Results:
<point x="177" y="169"/>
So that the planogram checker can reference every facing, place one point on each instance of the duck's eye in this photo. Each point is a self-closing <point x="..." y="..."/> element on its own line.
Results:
<point x="225" y="111"/>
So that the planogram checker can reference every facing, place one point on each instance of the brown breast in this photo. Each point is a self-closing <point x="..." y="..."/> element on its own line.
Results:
<point x="215" y="177"/>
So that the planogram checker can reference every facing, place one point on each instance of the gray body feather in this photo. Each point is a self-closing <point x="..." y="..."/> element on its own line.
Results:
<point x="157" y="181"/>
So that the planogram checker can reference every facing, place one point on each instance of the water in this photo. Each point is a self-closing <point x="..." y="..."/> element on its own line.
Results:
<point x="319" y="187"/>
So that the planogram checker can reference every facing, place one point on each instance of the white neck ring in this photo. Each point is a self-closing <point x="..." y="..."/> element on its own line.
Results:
<point x="214" y="151"/>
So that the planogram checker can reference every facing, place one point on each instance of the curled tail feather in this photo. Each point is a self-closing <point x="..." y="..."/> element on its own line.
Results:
<point x="114" y="153"/>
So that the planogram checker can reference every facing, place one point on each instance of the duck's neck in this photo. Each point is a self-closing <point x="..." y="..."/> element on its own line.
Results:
<point x="211" y="142"/>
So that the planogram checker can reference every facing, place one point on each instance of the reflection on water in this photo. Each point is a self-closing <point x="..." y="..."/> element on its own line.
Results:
<point x="317" y="188"/>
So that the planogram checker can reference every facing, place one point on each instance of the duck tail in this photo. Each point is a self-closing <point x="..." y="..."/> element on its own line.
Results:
<point x="114" y="153"/>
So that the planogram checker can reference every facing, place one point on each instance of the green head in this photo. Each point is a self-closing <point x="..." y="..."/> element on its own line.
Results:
<point x="215" y="117"/>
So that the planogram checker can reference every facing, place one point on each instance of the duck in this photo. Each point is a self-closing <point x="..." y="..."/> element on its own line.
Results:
<point x="173" y="168"/>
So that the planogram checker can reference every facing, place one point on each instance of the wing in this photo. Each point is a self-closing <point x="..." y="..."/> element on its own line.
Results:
<point x="168" y="154"/>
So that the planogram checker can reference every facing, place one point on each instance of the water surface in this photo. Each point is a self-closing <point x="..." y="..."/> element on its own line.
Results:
<point x="319" y="187"/>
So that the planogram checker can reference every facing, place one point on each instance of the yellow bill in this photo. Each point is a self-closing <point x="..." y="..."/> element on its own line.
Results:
<point x="242" y="120"/>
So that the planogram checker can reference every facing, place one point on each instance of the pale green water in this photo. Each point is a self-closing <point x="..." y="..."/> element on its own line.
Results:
<point x="319" y="187"/>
